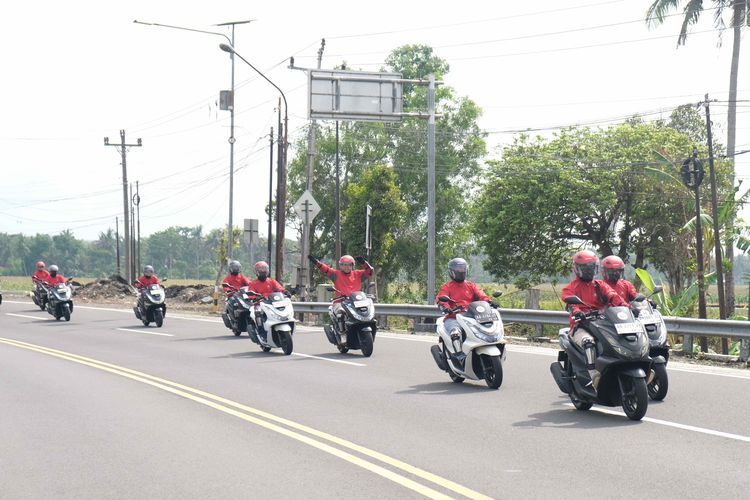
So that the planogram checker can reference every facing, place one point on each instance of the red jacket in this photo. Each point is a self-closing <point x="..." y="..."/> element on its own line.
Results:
<point x="625" y="290"/>
<point x="41" y="275"/>
<point x="462" y="293"/>
<point x="55" y="280"/>
<point x="347" y="283"/>
<point x="595" y="293"/>
<point x="266" y="287"/>
<point x="234" y="281"/>
<point x="146" y="281"/>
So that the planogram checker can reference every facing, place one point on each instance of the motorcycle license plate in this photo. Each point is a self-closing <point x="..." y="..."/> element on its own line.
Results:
<point x="361" y="303"/>
<point x="628" y="327"/>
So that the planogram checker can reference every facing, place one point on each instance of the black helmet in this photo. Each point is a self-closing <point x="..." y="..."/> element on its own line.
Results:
<point x="53" y="270"/>
<point x="234" y="267"/>
<point x="458" y="269"/>
<point x="148" y="270"/>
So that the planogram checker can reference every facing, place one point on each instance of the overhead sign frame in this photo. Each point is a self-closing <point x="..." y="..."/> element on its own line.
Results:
<point x="354" y="95"/>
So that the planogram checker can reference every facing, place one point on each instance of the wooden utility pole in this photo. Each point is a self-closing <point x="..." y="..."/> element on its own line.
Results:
<point x="122" y="148"/>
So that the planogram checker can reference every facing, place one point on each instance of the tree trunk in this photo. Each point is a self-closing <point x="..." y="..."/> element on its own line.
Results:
<point x="738" y="20"/>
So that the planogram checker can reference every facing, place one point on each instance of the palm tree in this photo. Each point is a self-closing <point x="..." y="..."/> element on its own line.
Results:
<point x="692" y="11"/>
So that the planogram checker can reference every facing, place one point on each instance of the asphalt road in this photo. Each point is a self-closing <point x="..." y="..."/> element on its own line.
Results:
<point x="102" y="407"/>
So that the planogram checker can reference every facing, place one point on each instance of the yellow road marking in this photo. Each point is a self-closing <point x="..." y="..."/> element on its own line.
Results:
<point x="227" y="406"/>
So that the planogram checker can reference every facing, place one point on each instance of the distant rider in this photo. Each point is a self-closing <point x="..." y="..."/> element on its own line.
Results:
<point x="41" y="274"/>
<point x="235" y="279"/>
<point x="613" y="272"/>
<point x="55" y="278"/>
<point x="264" y="284"/>
<point x="462" y="292"/>
<point x="148" y="278"/>
<point x="596" y="294"/>
<point x="346" y="280"/>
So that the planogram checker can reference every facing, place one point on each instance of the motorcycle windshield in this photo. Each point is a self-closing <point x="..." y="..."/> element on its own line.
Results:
<point x="481" y="311"/>
<point x="275" y="297"/>
<point x="359" y="299"/>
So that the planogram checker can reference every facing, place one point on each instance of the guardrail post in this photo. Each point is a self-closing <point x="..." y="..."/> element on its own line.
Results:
<point x="744" y="349"/>
<point x="687" y="344"/>
<point x="532" y="302"/>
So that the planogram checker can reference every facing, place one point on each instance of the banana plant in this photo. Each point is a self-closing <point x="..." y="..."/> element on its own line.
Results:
<point x="674" y="305"/>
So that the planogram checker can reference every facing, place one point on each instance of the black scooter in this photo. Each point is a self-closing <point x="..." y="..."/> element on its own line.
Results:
<point x="151" y="306"/>
<point x="358" y="324"/>
<point x="60" y="300"/>
<point x="237" y="314"/>
<point x="622" y="361"/>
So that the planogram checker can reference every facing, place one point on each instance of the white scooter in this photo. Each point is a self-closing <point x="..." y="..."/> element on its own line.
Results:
<point x="272" y="323"/>
<point x="479" y="351"/>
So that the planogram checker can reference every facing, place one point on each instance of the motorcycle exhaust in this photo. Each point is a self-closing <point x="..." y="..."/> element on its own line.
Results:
<point x="562" y="382"/>
<point x="437" y="354"/>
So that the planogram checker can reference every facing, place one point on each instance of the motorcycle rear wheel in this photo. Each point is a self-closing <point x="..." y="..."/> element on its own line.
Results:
<point x="158" y="317"/>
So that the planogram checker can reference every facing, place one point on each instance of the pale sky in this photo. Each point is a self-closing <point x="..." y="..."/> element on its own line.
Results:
<point x="75" y="72"/>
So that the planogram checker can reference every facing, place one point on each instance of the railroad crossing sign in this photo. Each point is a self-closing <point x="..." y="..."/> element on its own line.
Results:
<point x="306" y="207"/>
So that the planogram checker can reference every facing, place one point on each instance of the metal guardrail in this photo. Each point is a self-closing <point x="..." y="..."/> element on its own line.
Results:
<point x="675" y="325"/>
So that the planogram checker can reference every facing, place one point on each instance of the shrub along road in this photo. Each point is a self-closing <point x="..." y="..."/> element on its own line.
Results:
<point x="102" y="407"/>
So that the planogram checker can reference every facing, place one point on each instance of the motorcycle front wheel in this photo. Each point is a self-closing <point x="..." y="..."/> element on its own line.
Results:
<point x="158" y="317"/>
<point x="365" y="342"/>
<point x="286" y="342"/>
<point x="580" y="405"/>
<point x="657" y="389"/>
<point x="634" y="397"/>
<point x="66" y="312"/>
<point x="455" y="378"/>
<point x="494" y="376"/>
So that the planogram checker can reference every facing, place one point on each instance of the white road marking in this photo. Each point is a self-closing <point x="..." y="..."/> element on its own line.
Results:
<point x="145" y="331"/>
<point x="26" y="316"/>
<point x="329" y="359"/>
<point x="691" y="428"/>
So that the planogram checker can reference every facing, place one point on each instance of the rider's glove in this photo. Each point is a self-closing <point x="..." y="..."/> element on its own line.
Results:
<point x="312" y="259"/>
<point x="579" y="316"/>
<point x="493" y="304"/>
<point x="360" y="260"/>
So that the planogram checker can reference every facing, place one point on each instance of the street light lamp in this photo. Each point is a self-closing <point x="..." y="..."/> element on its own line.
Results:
<point x="281" y="196"/>
<point x="230" y="234"/>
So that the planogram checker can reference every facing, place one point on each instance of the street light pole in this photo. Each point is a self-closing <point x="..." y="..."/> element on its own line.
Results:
<point x="230" y="233"/>
<point x="281" y="196"/>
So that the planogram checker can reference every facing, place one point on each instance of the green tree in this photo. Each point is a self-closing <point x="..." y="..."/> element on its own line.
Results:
<point x="611" y="189"/>
<point x="378" y="189"/>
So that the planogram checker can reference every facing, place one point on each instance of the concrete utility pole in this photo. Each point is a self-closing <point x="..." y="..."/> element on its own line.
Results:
<point x="122" y="148"/>
<point x="117" y="243"/>
<point x="431" y="190"/>
<point x="306" y="230"/>
<point x="270" y="199"/>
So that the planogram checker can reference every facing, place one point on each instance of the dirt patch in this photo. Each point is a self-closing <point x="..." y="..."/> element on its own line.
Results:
<point x="116" y="290"/>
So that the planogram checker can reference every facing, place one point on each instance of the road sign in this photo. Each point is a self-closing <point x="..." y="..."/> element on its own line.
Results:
<point x="306" y="206"/>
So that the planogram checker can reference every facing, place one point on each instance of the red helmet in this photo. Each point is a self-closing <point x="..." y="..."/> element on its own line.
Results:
<point x="346" y="264"/>
<point x="262" y="270"/>
<point x="613" y="268"/>
<point x="40" y="265"/>
<point x="585" y="265"/>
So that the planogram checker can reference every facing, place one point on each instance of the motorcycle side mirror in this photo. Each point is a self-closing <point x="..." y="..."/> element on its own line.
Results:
<point x="164" y="279"/>
<point x="444" y="298"/>
<point x="497" y="293"/>
<point x="657" y="289"/>
<point x="573" y="299"/>
<point x="639" y="298"/>
<point x="330" y="289"/>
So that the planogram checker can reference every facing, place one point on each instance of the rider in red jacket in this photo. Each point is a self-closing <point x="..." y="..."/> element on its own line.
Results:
<point x="264" y="285"/>
<point x="613" y="270"/>
<point x="148" y="278"/>
<point x="346" y="279"/>
<point x="596" y="294"/>
<point x="462" y="292"/>
<point x="54" y="277"/>
<point x="40" y="274"/>
<point x="235" y="279"/>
